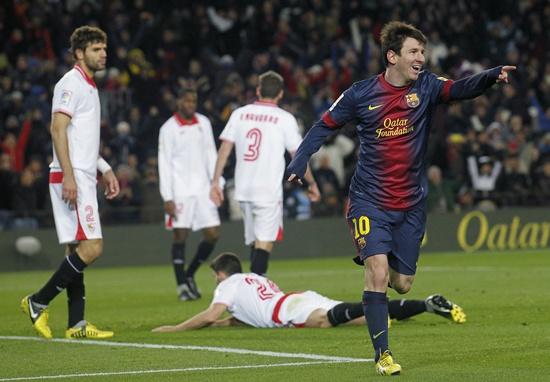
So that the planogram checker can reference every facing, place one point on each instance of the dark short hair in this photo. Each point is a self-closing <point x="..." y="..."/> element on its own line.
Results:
<point x="187" y="90"/>
<point x="85" y="35"/>
<point x="394" y="34"/>
<point x="227" y="262"/>
<point x="270" y="84"/>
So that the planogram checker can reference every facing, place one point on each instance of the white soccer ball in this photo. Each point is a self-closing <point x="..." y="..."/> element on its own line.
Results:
<point x="28" y="245"/>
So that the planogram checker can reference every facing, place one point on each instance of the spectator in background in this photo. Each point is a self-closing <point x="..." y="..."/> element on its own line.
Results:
<point x="25" y="201"/>
<point x="125" y="209"/>
<point x="544" y="147"/>
<point x="542" y="183"/>
<point x="124" y="142"/>
<point x="441" y="193"/>
<point x="484" y="173"/>
<point x="455" y="153"/>
<point x="540" y="116"/>
<point x="15" y="145"/>
<point x="332" y="155"/>
<point x="40" y="174"/>
<point x="8" y="180"/>
<point x="527" y="151"/>
<point x="465" y="199"/>
<point x="514" y="185"/>
<point x="151" y="210"/>
<point x="148" y="43"/>
<point x="329" y="186"/>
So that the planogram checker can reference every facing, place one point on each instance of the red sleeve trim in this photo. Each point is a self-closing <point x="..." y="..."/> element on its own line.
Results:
<point x="446" y="91"/>
<point x="327" y="119"/>
<point x="63" y="112"/>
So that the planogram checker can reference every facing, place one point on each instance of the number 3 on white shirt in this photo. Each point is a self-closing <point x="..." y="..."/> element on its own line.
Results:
<point x="255" y="138"/>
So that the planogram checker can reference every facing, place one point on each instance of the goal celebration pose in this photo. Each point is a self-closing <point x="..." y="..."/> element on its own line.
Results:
<point x="387" y="211"/>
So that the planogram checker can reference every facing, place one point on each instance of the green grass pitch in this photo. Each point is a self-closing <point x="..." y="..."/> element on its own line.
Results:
<point x="506" y="337"/>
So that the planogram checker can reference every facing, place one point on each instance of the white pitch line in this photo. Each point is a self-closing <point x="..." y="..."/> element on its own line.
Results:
<point x="318" y="357"/>
<point x="133" y="372"/>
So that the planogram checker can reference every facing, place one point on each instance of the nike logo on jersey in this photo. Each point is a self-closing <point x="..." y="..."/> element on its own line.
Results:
<point x="378" y="335"/>
<point x="372" y="107"/>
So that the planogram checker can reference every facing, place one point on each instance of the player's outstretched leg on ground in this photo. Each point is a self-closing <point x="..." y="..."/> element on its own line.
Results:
<point x="38" y="315"/>
<point x="440" y="305"/>
<point x="404" y="309"/>
<point x="86" y="330"/>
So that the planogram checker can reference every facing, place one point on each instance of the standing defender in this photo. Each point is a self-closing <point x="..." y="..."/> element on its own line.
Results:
<point x="75" y="133"/>
<point x="186" y="158"/>
<point x="387" y="212"/>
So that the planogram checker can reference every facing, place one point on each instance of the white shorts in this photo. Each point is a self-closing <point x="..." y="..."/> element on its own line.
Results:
<point x="262" y="221"/>
<point x="73" y="225"/>
<point x="195" y="212"/>
<point x="297" y="307"/>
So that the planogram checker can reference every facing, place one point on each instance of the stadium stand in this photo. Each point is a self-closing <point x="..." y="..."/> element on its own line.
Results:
<point x="320" y="47"/>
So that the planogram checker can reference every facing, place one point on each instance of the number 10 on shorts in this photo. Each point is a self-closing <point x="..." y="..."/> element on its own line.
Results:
<point x="361" y="226"/>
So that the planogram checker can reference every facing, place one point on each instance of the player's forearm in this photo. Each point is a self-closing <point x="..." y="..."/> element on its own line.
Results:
<point x="313" y="140"/>
<point x="228" y="321"/>
<point x="308" y="176"/>
<point x="473" y="86"/>
<point x="199" y="321"/>
<point x="223" y="154"/>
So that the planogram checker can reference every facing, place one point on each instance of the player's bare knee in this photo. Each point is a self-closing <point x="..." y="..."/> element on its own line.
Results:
<point x="318" y="319"/>
<point x="90" y="250"/>
<point x="402" y="285"/>
<point x="180" y="235"/>
<point x="211" y="235"/>
<point x="402" y="289"/>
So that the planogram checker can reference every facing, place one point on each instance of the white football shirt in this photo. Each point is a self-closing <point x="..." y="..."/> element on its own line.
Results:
<point x="186" y="157"/>
<point x="75" y="95"/>
<point x="250" y="298"/>
<point x="261" y="132"/>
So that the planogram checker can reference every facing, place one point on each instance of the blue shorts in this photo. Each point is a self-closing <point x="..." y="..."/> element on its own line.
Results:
<point x="395" y="233"/>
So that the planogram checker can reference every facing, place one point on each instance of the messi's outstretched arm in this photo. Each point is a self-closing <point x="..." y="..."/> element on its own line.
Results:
<point x="473" y="86"/>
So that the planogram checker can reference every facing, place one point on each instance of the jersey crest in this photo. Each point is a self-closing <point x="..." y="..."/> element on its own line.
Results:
<point x="412" y="100"/>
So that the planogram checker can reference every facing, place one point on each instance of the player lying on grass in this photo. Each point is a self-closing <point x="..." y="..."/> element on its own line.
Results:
<point x="257" y="301"/>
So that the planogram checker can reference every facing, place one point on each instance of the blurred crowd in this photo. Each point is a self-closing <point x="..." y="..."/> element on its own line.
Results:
<point x="487" y="153"/>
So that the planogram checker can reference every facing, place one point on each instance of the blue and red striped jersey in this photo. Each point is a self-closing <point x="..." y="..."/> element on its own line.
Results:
<point x="393" y="125"/>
